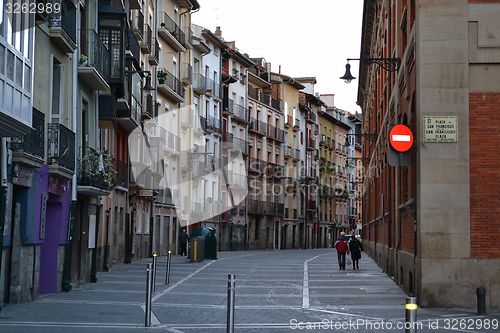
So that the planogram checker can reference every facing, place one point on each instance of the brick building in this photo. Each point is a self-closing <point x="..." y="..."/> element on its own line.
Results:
<point x="433" y="224"/>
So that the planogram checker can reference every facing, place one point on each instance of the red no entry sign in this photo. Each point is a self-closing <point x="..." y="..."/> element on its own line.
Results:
<point x="401" y="138"/>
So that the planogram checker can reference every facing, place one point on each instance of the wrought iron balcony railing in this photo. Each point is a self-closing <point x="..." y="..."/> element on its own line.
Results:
<point x="96" y="169"/>
<point x="237" y="111"/>
<point x="32" y="143"/>
<point x="171" y="81"/>
<point x="65" y="18"/>
<point x="61" y="146"/>
<point x="173" y="29"/>
<point x="97" y="54"/>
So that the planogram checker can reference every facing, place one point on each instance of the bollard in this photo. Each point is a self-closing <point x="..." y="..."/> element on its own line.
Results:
<point x="481" y="301"/>
<point x="230" y="303"/>
<point x="154" y="271"/>
<point x="410" y="314"/>
<point x="149" y="282"/>
<point x="169" y="262"/>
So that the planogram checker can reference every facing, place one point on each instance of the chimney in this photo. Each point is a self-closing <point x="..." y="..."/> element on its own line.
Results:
<point x="218" y="32"/>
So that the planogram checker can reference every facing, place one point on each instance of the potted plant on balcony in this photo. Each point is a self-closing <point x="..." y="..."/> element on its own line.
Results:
<point x="161" y="76"/>
<point x="83" y="60"/>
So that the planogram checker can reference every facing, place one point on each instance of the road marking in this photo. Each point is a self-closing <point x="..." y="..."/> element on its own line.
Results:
<point x="165" y="291"/>
<point x="305" y="285"/>
<point x="178" y="283"/>
<point x="154" y="319"/>
<point x="344" y="314"/>
<point x="66" y="324"/>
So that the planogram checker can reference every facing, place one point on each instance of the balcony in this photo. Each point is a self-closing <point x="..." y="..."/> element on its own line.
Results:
<point x="237" y="112"/>
<point x="172" y="33"/>
<point x="257" y="126"/>
<point x="199" y="84"/>
<point x="296" y="124"/>
<point x="96" y="173"/>
<point x="257" y="166"/>
<point x="241" y="145"/>
<point x="237" y="181"/>
<point x="275" y="133"/>
<point x="137" y="24"/>
<point x="187" y="74"/>
<point x="289" y="121"/>
<point x="122" y="174"/>
<point x="265" y="99"/>
<point x="173" y="143"/>
<point x="296" y="154"/>
<point x="273" y="170"/>
<point x="94" y="68"/>
<point x="256" y="207"/>
<point x="288" y="152"/>
<point x="252" y="93"/>
<point x="276" y="104"/>
<point x="107" y="107"/>
<point x="30" y="149"/>
<point x="212" y="89"/>
<point x="170" y="86"/>
<point x="147" y="40"/>
<point x="133" y="48"/>
<point x="311" y="144"/>
<point x="322" y="141"/>
<point x="61" y="155"/>
<point x="312" y="117"/>
<point x="211" y="124"/>
<point x="154" y="57"/>
<point x="62" y="26"/>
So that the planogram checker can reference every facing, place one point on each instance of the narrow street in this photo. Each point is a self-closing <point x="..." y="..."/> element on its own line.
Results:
<point x="275" y="291"/>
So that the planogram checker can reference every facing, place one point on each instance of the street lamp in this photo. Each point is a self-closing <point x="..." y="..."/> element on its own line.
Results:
<point x="389" y="64"/>
<point x="147" y="86"/>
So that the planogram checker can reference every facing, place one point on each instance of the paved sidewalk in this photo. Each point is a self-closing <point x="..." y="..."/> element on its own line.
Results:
<point x="276" y="290"/>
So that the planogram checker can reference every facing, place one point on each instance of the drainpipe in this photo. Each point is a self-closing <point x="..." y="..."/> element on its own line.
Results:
<point x="66" y="275"/>
<point x="3" y="196"/>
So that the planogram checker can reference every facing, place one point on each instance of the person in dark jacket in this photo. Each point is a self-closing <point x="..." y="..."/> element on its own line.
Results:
<point x="183" y="240"/>
<point x="356" y="247"/>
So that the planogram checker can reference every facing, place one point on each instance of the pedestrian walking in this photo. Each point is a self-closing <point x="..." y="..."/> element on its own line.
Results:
<point x="355" y="247"/>
<point x="342" y="248"/>
<point x="183" y="240"/>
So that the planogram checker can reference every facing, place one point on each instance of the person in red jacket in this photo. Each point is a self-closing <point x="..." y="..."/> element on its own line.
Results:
<point x="342" y="248"/>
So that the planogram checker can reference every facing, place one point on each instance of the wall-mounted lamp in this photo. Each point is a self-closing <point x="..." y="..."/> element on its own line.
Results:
<point x="389" y="64"/>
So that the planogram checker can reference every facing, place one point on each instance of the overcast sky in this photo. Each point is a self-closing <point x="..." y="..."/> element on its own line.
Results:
<point x="307" y="38"/>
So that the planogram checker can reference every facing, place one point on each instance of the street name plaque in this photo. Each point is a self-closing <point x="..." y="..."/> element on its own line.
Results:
<point x="440" y="129"/>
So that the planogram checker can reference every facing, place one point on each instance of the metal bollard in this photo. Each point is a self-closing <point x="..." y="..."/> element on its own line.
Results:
<point x="230" y="303"/>
<point x="149" y="293"/>
<point x="154" y="271"/>
<point x="410" y="314"/>
<point x="169" y="262"/>
<point x="481" y="301"/>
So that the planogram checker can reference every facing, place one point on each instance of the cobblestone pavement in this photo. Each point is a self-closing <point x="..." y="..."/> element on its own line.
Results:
<point x="276" y="291"/>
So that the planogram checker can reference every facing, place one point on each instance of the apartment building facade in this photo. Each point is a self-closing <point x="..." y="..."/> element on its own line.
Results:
<point x="316" y="233"/>
<point x="234" y="233"/>
<point x="266" y="162"/>
<point x="439" y="196"/>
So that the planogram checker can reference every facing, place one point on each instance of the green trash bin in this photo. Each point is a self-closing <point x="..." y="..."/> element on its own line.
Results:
<point x="208" y="234"/>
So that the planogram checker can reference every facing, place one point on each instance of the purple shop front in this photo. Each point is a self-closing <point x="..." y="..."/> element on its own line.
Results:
<point x="48" y="202"/>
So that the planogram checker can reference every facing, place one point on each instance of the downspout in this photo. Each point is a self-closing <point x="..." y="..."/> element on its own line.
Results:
<point x="3" y="196"/>
<point x="389" y="181"/>
<point x="66" y="278"/>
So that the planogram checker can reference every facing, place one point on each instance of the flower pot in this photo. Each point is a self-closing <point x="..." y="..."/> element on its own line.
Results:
<point x="161" y="81"/>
